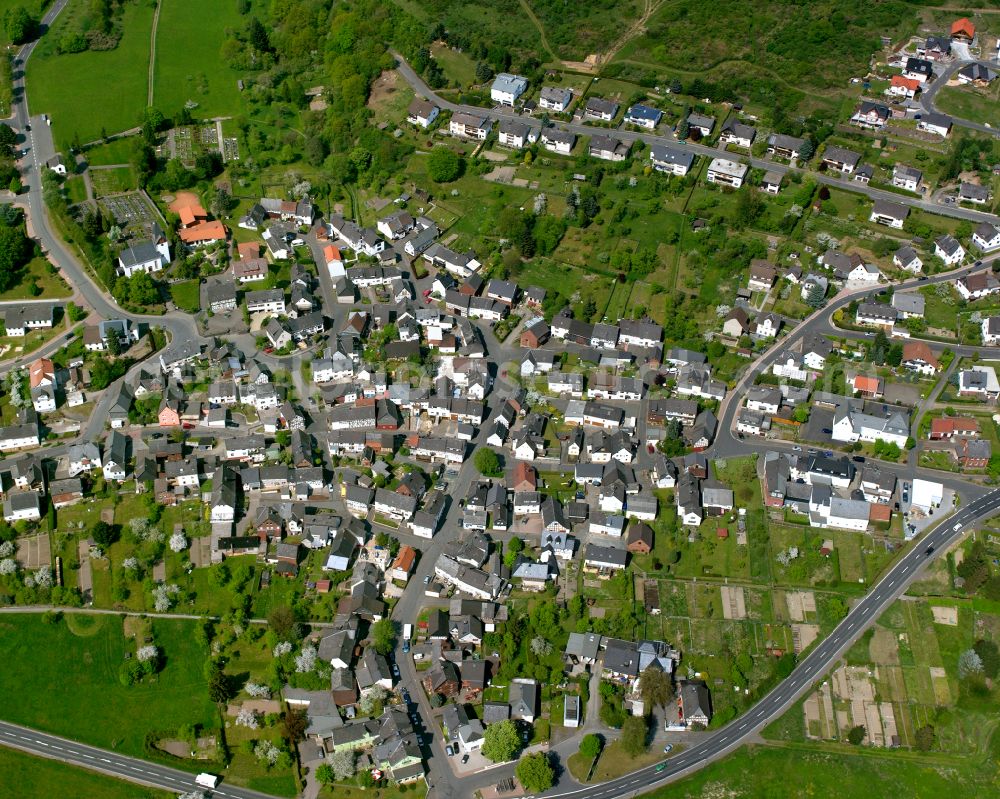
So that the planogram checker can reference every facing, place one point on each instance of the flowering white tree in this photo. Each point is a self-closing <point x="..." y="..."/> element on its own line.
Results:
<point x="282" y="649"/>
<point x="371" y="699"/>
<point x="969" y="663"/>
<point x="163" y="597"/>
<point x="145" y="653"/>
<point x="257" y="691"/>
<point x="342" y="763"/>
<point x="267" y="752"/>
<point x="145" y="530"/>
<point x="248" y="718"/>
<point x="8" y="566"/>
<point x="43" y="577"/>
<point x="131" y="564"/>
<point x="540" y="646"/>
<point x="178" y="543"/>
<point x="305" y="661"/>
<point x="192" y="795"/>
<point x="7" y="549"/>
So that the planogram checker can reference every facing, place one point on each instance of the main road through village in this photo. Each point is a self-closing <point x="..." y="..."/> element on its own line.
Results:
<point x="977" y="504"/>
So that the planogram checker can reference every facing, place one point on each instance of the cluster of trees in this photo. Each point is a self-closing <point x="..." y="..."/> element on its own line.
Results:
<point x="16" y="249"/>
<point x="532" y="234"/>
<point x="98" y="28"/>
<point x="976" y="570"/>
<point x="20" y="25"/>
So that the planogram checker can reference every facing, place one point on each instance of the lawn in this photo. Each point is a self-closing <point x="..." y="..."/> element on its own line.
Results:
<point x="42" y="274"/>
<point x="74" y="88"/>
<point x="70" y="668"/>
<point x="186" y="295"/>
<point x="116" y="151"/>
<point x="456" y="66"/>
<point x="189" y="63"/>
<point x="38" y="776"/>
<point x="977" y="105"/>
<point x="772" y="771"/>
<point x="113" y="181"/>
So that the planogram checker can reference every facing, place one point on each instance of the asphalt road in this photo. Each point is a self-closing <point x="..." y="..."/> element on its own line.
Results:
<point x="422" y="89"/>
<point x="111" y="763"/>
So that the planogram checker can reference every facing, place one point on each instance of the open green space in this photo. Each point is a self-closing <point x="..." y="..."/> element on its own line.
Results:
<point x="27" y="776"/>
<point x="189" y="63"/>
<point x="762" y="771"/>
<point x="966" y="102"/>
<point x="70" y="671"/>
<point x="76" y="88"/>
<point x="41" y="275"/>
<point x="186" y="295"/>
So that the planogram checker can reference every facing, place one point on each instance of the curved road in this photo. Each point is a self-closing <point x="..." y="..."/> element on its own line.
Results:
<point x="421" y="89"/>
<point x="927" y="97"/>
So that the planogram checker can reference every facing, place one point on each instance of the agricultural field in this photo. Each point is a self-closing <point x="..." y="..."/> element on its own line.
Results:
<point x="73" y="88"/>
<point x="179" y="77"/>
<point x="39" y="776"/>
<point x="758" y="771"/>
<point x="94" y="706"/>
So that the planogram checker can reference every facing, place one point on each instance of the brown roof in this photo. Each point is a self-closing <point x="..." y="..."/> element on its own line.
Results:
<point x="406" y="558"/>
<point x="206" y="231"/>
<point x="919" y="351"/>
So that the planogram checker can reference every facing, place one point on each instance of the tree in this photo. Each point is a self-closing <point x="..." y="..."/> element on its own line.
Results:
<point x="104" y="534"/>
<point x="443" y="165"/>
<point x="969" y="664"/>
<point x="806" y="150"/>
<point x="488" y="462"/>
<point x="590" y="746"/>
<point x="342" y="764"/>
<point x="221" y="202"/>
<point x="257" y="35"/>
<point x="501" y="741"/>
<point x="75" y="312"/>
<point x="654" y="685"/>
<point x="324" y="773"/>
<point x="383" y="635"/>
<point x="282" y="623"/>
<point x="634" y="732"/>
<point x="294" y="724"/>
<point x="924" y="738"/>
<point x="483" y="72"/>
<point x="219" y="690"/>
<point x="15" y="251"/>
<point x="856" y="735"/>
<point x="535" y="772"/>
<point x="989" y="655"/>
<point x="19" y="24"/>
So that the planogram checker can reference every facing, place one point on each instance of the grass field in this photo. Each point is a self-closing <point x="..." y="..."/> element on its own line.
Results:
<point x="186" y="295"/>
<point x="70" y="669"/>
<point x="38" y="776"/>
<point x="116" y="151"/>
<point x="51" y="284"/>
<point x="74" y="88"/>
<point x="965" y="102"/>
<point x="754" y="772"/>
<point x="189" y="65"/>
<point x="113" y="181"/>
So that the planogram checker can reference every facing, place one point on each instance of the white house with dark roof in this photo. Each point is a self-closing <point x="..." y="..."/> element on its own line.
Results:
<point x="738" y="134"/>
<point x="144" y="256"/>
<point x="555" y="98"/>
<point x="422" y="112"/>
<point x="470" y="126"/>
<point x="841" y="159"/>
<point x="599" y="108"/>
<point x="890" y="214"/>
<point x="986" y="237"/>
<point x="949" y="250"/>
<point x="643" y="116"/>
<point x="906" y="258"/>
<point x="507" y="88"/>
<point x="673" y="160"/>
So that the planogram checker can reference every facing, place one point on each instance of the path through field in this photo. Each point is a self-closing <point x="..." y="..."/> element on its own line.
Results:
<point x="152" y="55"/>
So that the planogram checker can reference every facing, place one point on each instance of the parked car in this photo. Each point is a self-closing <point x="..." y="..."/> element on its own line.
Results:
<point x="427" y="580"/>
<point x="449" y="750"/>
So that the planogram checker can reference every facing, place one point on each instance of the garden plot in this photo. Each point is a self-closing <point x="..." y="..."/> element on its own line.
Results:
<point x="34" y="551"/>
<point x="945" y="615"/>
<point x="821" y="722"/>
<point x="799" y="604"/>
<point x="803" y="635"/>
<point x="733" y="602"/>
